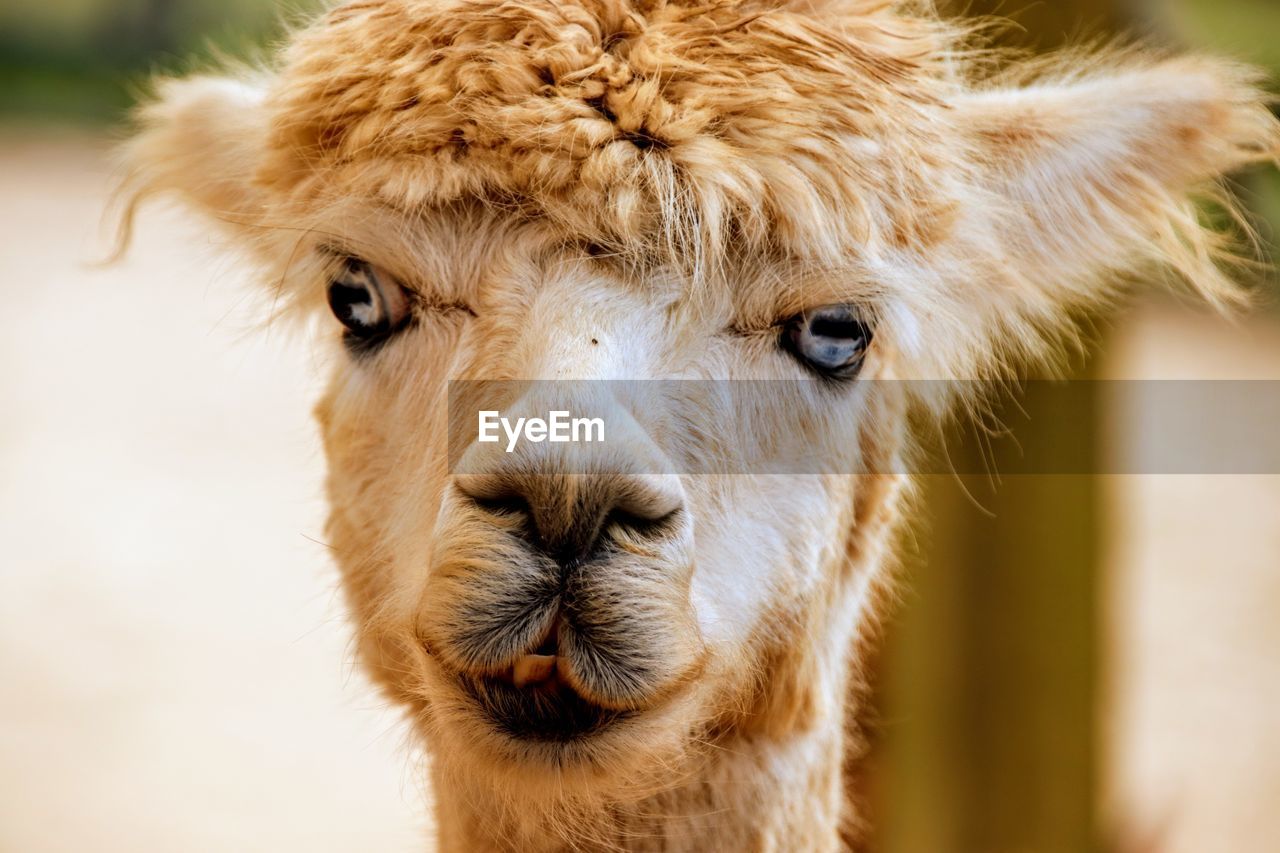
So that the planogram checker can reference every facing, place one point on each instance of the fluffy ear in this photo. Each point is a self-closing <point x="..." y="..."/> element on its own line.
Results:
<point x="1085" y="176"/>
<point x="201" y="138"/>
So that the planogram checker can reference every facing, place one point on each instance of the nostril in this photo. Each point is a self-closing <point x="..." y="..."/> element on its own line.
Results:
<point x="570" y="518"/>
<point x="503" y="505"/>
<point x="494" y="495"/>
<point x="643" y="525"/>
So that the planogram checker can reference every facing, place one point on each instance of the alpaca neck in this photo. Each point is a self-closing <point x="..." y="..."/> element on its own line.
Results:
<point x="748" y="793"/>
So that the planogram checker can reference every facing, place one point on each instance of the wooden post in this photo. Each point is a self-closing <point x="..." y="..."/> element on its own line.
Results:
<point x="989" y="680"/>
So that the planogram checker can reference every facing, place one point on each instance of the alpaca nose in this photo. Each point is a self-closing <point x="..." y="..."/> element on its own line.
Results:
<point x="567" y="515"/>
<point x="569" y="493"/>
<point x="566" y="568"/>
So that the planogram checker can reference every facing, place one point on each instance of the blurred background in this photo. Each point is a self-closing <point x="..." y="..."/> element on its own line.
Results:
<point x="1079" y="663"/>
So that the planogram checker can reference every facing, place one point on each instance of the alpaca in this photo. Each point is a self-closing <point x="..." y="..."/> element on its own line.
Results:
<point x="830" y="193"/>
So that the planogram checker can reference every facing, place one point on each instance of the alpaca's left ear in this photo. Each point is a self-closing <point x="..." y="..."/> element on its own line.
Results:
<point x="202" y="139"/>
<point x="1092" y="173"/>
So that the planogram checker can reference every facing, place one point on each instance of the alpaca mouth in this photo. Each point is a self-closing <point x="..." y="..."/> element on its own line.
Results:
<point x="532" y="702"/>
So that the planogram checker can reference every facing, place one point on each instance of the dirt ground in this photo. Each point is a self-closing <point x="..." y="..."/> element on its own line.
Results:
<point x="1192" y="721"/>
<point x="176" y="671"/>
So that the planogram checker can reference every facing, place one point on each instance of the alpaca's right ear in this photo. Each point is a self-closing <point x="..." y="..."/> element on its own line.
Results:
<point x="200" y="138"/>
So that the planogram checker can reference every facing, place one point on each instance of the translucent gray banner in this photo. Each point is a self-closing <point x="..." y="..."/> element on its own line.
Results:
<point x="821" y="427"/>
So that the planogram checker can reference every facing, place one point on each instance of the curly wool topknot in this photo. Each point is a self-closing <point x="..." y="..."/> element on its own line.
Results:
<point x="673" y="128"/>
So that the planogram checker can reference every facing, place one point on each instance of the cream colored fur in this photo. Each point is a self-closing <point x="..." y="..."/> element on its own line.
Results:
<point x="633" y="189"/>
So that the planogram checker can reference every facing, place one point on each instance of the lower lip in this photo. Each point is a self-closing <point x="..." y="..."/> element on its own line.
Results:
<point x="543" y="714"/>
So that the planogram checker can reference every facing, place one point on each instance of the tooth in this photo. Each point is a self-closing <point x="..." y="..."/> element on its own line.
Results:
<point x="533" y="669"/>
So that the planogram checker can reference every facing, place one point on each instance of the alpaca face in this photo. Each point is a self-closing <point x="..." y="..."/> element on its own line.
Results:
<point x="604" y="190"/>
<point x="554" y="608"/>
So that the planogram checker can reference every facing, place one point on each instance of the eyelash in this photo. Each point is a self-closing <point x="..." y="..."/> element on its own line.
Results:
<point x="338" y="259"/>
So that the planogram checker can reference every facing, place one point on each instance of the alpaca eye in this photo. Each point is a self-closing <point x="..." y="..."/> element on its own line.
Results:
<point x="831" y="340"/>
<point x="368" y="302"/>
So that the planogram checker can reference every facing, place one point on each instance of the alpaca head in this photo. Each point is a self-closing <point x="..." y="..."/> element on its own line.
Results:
<point x="626" y="189"/>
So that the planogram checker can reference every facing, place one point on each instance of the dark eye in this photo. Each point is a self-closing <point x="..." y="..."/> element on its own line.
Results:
<point x="368" y="302"/>
<point x="831" y="340"/>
